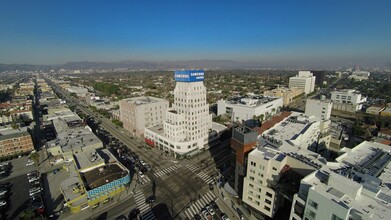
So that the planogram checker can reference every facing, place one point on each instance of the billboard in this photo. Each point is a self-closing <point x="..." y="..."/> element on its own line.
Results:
<point x="189" y="75"/>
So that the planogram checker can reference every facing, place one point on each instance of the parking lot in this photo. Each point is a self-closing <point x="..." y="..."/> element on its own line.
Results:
<point x="17" y="195"/>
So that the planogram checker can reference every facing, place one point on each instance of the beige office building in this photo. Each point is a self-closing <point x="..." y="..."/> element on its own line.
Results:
<point x="142" y="112"/>
<point x="287" y="94"/>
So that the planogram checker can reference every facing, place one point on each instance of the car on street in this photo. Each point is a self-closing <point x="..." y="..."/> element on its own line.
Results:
<point x="224" y="217"/>
<point x="142" y="162"/>
<point x="133" y="214"/>
<point x="150" y="199"/>
<point x="206" y="214"/>
<point x="197" y="217"/>
<point x="148" y="167"/>
<point x="214" y="205"/>
<point x="210" y="210"/>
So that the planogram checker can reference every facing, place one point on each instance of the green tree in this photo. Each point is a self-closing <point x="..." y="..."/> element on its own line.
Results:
<point x="27" y="214"/>
<point x="261" y="117"/>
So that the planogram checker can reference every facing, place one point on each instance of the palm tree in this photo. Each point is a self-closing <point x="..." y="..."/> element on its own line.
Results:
<point x="261" y="117"/>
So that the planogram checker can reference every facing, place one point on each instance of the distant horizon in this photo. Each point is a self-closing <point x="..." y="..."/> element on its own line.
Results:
<point x="284" y="33"/>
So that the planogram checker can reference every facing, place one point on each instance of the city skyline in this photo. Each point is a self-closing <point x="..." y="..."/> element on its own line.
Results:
<point x="284" y="33"/>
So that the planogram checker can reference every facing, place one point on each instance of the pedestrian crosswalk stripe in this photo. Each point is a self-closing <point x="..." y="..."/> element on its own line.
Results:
<point x="166" y="171"/>
<point x="196" y="206"/>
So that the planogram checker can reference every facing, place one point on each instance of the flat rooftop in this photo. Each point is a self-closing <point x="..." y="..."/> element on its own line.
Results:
<point x="143" y="100"/>
<point x="363" y="177"/>
<point x="102" y="175"/>
<point x="72" y="187"/>
<point x="157" y="129"/>
<point x="75" y="139"/>
<point x="13" y="133"/>
<point x="250" y="100"/>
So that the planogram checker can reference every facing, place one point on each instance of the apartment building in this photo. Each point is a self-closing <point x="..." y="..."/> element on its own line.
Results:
<point x="305" y="80"/>
<point x="281" y="159"/>
<point x="15" y="142"/>
<point x="287" y="94"/>
<point x="139" y="113"/>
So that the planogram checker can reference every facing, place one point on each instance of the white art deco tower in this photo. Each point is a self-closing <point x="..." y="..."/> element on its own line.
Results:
<point x="188" y="122"/>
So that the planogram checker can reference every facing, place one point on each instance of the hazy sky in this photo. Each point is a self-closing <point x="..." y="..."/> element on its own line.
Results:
<point x="294" y="31"/>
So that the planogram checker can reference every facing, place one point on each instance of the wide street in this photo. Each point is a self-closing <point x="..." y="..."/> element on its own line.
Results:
<point x="176" y="183"/>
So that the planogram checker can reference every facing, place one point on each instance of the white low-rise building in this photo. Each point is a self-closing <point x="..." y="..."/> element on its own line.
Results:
<point x="359" y="75"/>
<point x="246" y="107"/>
<point x="354" y="187"/>
<point x="347" y="100"/>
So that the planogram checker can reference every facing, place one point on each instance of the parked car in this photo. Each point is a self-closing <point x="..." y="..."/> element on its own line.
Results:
<point x="30" y="162"/>
<point x="3" y="203"/>
<point x="3" y="192"/>
<point x="141" y="174"/>
<point x="33" y="179"/>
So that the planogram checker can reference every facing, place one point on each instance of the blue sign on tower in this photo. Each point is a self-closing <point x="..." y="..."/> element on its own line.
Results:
<point x="189" y="75"/>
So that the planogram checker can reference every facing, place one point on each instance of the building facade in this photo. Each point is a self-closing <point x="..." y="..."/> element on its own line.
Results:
<point x="185" y="130"/>
<point x="347" y="100"/>
<point x="352" y="187"/>
<point x="319" y="108"/>
<point x="14" y="142"/>
<point x="139" y="113"/>
<point x="287" y="94"/>
<point x="304" y="80"/>
<point x="246" y="107"/>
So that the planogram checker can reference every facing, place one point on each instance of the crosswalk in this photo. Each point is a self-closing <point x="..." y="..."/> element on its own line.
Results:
<point x="166" y="170"/>
<point x="144" y="208"/>
<point x="202" y="175"/>
<point x="143" y="180"/>
<point x="192" y="167"/>
<point x="206" y="178"/>
<point x="196" y="206"/>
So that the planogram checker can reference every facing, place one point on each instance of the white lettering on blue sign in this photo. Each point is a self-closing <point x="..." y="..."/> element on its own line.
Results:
<point x="181" y="76"/>
<point x="197" y="74"/>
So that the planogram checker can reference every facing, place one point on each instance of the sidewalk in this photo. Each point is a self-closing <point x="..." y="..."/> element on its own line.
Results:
<point x="225" y="209"/>
<point x="230" y="204"/>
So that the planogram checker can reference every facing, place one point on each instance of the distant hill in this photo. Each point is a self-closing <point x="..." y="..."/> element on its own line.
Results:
<point x="191" y="64"/>
<point x="27" y="67"/>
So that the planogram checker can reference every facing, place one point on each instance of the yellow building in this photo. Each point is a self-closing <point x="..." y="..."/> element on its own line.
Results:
<point x="386" y="112"/>
<point x="93" y="181"/>
<point x="287" y="94"/>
